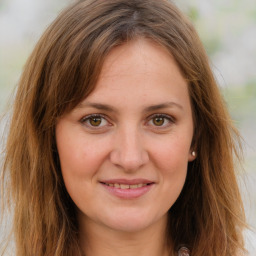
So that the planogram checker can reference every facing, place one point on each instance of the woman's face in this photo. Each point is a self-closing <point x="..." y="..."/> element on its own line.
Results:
<point x="124" y="149"/>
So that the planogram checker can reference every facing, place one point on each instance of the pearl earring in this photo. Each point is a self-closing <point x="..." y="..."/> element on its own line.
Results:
<point x="193" y="153"/>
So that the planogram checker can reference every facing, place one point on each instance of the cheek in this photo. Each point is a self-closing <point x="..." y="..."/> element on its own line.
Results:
<point x="79" y="156"/>
<point x="173" y="176"/>
<point x="80" y="159"/>
<point x="171" y="159"/>
<point x="171" y="155"/>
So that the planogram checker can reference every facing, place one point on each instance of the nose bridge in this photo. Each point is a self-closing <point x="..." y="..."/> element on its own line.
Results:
<point x="129" y="151"/>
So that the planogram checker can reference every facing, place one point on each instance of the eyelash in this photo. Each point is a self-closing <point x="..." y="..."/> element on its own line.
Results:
<point x="169" y="119"/>
<point x="87" y="118"/>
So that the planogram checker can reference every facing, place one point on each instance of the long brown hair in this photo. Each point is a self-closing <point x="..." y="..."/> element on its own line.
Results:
<point x="62" y="70"/>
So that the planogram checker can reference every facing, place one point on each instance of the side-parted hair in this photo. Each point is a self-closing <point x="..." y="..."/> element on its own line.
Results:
<point x="63" y="69"/>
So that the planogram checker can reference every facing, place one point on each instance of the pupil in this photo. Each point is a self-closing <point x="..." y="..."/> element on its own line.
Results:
<point x="158" y="121"/>
<point x="95" y="121"/>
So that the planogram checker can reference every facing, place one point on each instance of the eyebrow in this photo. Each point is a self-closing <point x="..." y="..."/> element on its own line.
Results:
<point x="109" y="108"/>
<point x="170" y="104"/>
<point x="97" y="106"/>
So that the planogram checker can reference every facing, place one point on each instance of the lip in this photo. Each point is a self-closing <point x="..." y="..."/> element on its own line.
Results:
<point x="127" y="182"/>
<point x="128" y="193"/>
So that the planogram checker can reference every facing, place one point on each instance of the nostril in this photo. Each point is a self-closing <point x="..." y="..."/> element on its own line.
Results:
<point x="128" y="161"/>
<point x="128" y="151"/>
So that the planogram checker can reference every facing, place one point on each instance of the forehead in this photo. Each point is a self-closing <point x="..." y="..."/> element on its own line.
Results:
<point x="143" y="70"/>
<point x="145" y="54"/>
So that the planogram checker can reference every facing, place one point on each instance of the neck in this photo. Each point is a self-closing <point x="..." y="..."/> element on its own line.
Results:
<point x="98" y="240"/>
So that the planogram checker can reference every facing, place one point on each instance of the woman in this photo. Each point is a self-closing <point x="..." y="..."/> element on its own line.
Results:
<point x="120" y="142"/>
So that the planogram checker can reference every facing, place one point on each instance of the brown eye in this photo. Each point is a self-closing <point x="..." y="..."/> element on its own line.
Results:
<point x="95" y="121"/>
<point x="158" y="121"/>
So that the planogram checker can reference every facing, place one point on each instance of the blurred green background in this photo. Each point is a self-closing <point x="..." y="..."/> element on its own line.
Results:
<point x="228" y="31"/>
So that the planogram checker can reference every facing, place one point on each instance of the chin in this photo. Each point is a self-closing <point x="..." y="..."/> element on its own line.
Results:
<point x="131" y="223"/>
<point x="129" y="226"/>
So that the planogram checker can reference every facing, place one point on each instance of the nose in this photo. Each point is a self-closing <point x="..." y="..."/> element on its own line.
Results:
<point x="129" y="152"/>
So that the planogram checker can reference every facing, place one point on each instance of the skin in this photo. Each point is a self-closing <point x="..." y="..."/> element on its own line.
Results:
<point x="126" y="140"/>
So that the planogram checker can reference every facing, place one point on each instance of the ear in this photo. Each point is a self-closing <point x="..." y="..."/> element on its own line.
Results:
<point x="192" y="155"/>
